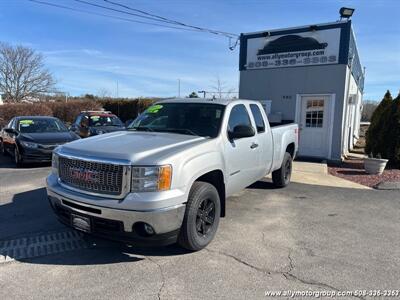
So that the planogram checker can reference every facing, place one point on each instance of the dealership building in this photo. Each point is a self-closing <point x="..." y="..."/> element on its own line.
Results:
<point x="310" y="75"/>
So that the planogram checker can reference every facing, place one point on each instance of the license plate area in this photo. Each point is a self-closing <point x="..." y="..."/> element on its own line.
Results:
<point x="81" y="223"/>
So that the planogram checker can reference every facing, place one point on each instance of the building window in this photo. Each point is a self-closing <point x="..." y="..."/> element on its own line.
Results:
<point x="315" y="113"/>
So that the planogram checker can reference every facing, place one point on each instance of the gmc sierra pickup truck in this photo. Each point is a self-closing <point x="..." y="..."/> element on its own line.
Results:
<point x="166" y="178"/>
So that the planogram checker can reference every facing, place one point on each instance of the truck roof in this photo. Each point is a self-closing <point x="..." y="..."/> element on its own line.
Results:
<point x="221" y="101"/>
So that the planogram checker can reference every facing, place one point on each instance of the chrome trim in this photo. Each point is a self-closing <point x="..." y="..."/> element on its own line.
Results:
<point x="126" y="176"/>
<point x="163" y="220"/>
<point x="65" y="154"/>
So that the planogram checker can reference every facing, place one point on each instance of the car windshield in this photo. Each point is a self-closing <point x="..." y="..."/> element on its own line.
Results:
<point x="104" y="120"/>
<point x="202" y="119"/>
<point x="36" y="125"/>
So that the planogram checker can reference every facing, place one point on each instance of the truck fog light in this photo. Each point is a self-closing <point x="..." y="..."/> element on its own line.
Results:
<point x="149" y="230"/>
<point x="143" y="229"/>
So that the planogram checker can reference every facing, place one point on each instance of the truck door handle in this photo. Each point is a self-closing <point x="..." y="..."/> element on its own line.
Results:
<point x="254" y="145"/>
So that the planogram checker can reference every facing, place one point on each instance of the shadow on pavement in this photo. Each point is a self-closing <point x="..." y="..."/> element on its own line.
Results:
<point x="106" y="252"/>
<point x="27" y="212"/>
<point x="29" y="217"/>
<point x="85" y="257"/>
<point x="262" y="185"/>
<point x="7" y="162"/>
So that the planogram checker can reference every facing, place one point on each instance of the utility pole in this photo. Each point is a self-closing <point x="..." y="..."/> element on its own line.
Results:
<point x="179" y="88"/>
<point x="117" y="89"/>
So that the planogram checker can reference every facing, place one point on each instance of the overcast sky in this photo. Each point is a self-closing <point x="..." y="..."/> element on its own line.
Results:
<point x="90" y="54"/>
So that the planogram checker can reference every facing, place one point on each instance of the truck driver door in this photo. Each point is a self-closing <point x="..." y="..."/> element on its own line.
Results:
<point x="241" y="154"/>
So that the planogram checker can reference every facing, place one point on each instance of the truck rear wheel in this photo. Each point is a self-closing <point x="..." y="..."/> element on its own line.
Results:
<point x="201" y="219"/>
<point x="281" y="177"/>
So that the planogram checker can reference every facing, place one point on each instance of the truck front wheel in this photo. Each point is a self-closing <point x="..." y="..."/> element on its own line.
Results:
<point x="281" y="177"/>
<point x="201" y="219"/>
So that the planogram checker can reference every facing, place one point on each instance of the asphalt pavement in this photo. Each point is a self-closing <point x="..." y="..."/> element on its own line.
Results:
<point x="303" y="237"/>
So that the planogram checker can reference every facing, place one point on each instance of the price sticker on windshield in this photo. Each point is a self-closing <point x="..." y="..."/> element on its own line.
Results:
<point x="154" y="109"/>
<point x="26" y="123"/>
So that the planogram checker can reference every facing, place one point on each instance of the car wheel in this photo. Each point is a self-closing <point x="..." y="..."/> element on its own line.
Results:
<point x="201" y="219"/>
<point x="17" y="157"/>
<point x="281" y="177"/>
<point x="2" y="149"/>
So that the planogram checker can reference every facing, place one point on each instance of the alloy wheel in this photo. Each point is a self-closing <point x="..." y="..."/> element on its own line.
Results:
<point x="205" y="217"/>
<point x="288" y="169"/>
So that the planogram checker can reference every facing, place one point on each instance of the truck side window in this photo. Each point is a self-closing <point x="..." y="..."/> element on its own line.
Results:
<point x="255" y="110"/>
<point x="239" y="116"/>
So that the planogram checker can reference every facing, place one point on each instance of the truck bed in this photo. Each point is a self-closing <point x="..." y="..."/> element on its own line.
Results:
<point x="283" y="134"/>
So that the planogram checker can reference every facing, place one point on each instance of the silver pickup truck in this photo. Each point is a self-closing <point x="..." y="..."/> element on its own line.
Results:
<point x="166" y="178"/>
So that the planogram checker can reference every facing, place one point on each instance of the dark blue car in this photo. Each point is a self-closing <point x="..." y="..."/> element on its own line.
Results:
<point x="33" y="138"/>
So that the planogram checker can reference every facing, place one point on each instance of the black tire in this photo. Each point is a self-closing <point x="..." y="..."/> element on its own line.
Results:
<point x="17" y="158"/>
<point x="2" y="149"/>
<point x="281" y="177"/>
<point x="202" y="215"/>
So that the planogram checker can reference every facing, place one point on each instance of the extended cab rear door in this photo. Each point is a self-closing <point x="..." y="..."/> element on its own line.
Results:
<point x="241" y="155"/>
<point x="264" y="139"/>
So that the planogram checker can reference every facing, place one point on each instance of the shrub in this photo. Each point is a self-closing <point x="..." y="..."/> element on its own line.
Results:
<point x="65" y="111"/>
<point x="8" y="111"/>
<point x="126" y="109"/>
<point x="376" y="142"/>
<point x="392" y="137"/>
<point x="68" y="111"/>
<point x="383" y="135"/>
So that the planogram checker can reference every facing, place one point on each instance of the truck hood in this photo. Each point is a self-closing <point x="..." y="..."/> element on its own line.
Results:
<point x="132" y="146"/>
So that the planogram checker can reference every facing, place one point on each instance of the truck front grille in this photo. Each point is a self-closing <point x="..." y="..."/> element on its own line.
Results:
<point x="96" y="177"/>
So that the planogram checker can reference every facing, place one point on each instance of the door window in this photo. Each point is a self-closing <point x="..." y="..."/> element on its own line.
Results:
<point x="238" y="116"/>
<point x="315" y="113"/>
<point x="255" y="110"/>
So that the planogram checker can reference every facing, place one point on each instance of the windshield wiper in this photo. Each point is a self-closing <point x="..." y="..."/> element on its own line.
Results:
<point x="180" y="130"/>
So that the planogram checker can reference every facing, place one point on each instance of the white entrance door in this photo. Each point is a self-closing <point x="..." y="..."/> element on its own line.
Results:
<point x="314" y="126"/>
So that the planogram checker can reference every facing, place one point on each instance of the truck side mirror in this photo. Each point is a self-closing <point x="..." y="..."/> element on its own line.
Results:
<point x="241" y="131"/>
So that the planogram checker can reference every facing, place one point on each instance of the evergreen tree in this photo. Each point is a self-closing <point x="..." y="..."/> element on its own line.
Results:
<point x="376" y="134"/>
<point x="193" y="95"/>
<point x="393" y="137"/>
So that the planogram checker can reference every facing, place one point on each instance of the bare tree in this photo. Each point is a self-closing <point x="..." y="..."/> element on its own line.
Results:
<point x="22" y="73"/>
<point x="103" y="93"/>
<point x="368" y="109"/>
<point x="220" y="88"/>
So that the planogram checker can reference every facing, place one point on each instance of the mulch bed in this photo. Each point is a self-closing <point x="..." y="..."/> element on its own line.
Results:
<point x="353" y="170"/>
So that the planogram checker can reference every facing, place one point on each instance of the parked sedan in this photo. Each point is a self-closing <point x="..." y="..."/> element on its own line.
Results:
<point x="33" y="138"/>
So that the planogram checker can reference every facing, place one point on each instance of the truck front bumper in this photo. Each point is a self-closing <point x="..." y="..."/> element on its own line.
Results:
<point x="113" y="223"/>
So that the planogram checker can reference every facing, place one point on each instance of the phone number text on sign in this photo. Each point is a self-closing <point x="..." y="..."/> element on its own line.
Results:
<point x="292" y="62"/>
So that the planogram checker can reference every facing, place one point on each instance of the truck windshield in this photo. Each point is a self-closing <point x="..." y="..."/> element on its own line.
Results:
<point x="201" y="119"/>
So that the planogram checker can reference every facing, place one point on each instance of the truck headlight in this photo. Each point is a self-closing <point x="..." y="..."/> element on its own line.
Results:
<point x="54" y="164"/>
<point x="151" y="179"/>
<point x="29" y="145"/>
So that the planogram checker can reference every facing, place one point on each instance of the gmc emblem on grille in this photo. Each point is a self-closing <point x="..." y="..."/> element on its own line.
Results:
<point x="84" y="175"/>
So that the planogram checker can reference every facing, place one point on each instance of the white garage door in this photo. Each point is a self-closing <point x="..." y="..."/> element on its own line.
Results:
<point x="314" y="124"/>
